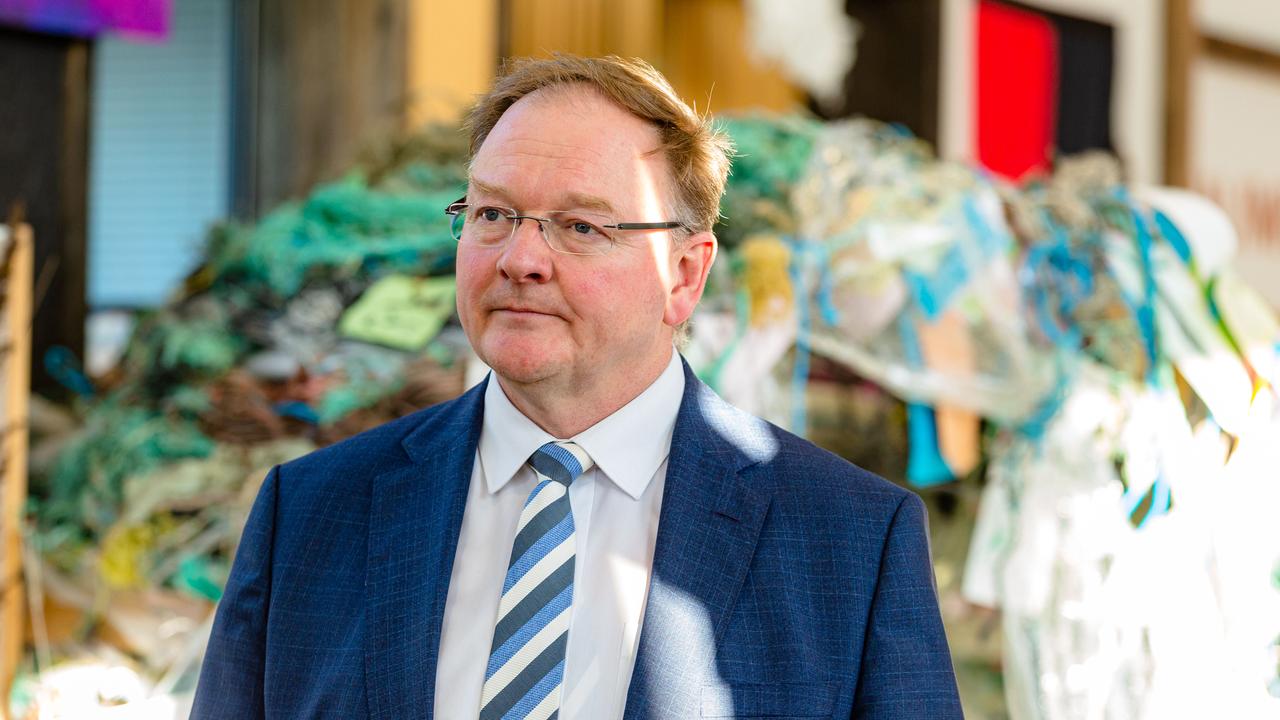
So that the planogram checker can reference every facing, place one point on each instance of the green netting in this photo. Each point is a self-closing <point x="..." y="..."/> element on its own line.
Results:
<point x="772" y="154"/>
<point x="273" y="287"/>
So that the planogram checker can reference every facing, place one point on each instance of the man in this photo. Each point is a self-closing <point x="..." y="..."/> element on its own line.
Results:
<point x="590" y="533"/>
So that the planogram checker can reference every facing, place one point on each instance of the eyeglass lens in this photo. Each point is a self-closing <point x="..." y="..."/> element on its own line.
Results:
<point x="565" y="231"/>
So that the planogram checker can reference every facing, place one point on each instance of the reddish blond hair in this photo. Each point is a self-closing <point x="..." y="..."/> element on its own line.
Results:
<point x="697" y="155"/>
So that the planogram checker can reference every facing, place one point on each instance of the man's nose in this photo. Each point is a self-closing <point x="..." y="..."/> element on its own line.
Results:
<point x="526" y="257"/>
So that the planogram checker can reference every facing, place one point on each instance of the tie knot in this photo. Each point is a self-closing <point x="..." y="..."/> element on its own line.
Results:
<point x="561" y="461"/>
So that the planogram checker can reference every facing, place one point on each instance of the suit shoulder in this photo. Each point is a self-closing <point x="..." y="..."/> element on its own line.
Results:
<point x="789" y="464"/>
<point x="816" y="469"/>
<point x="368" y="453"/>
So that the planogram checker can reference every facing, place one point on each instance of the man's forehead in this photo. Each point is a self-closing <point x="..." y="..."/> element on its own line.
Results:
<point x="570" y="147"/>
<point x="581" y="116"/>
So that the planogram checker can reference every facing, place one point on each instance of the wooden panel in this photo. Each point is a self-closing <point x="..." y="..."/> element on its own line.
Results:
<point x="540" y="27"/>
<point x="330" y="83"/>
<point x="15" y="380"/>
<point x="452" y="57"/>
<point x="636" y="29"/>
<point x="710" y="64"/>
<point x="584" y="27"/>
<point x="701" y="45"/>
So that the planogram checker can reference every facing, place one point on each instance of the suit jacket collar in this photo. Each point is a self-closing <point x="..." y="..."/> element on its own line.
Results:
<point x="415" y="515"/>
<point x="707" y="531"/>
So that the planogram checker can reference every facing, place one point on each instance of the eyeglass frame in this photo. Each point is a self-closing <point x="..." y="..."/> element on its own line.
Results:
<point x="457" y="208"/>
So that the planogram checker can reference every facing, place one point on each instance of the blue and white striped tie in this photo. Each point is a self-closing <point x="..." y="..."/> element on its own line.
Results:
<point x="526" y="660"/>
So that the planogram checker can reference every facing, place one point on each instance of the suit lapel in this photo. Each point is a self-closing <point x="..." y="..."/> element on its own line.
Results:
<point x="415" y="516"/>
<point x="707" y="532"/>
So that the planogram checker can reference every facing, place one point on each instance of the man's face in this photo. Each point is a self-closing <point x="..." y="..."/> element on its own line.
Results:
<point x="533" y="314"/>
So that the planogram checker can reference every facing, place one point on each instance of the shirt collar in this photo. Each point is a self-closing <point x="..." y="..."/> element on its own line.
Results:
<point x="628" y="446"/>
<point x="507" y="437"/>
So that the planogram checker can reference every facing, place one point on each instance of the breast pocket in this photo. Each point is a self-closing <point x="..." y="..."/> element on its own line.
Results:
<point x="767" y="700"/>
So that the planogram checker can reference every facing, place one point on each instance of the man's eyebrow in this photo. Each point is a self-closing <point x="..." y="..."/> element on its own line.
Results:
<point x="572" y="200"/>
<point x="488" y="189"/>
<point x="579" y="201"/>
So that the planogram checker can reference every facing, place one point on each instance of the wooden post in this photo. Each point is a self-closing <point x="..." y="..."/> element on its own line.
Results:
<point x="1181" y="46"/>
<point x="15" y="384"/>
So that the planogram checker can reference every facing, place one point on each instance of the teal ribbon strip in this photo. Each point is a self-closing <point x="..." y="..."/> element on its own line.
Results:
<point x="1146" y="311"/>
<point x="63" y="366"/>
<point x="925" y="465"/>
<point x="742" y="313"/>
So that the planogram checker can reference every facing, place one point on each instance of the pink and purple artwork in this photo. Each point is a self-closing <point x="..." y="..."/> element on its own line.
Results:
<point x="149" y="18"/>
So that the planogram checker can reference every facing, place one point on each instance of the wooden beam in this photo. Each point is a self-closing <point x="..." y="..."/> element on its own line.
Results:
<point x="1182" y="43"/>
<point x="15" y="379"/>
<point x="1231" y="51"/>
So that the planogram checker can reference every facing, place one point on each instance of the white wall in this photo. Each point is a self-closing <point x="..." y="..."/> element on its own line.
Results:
<point x="1250" y="22"/>
<point x="1235" y="160"/>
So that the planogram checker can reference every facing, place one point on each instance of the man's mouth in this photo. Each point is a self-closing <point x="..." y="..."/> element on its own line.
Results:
<point x="520" y="310"/>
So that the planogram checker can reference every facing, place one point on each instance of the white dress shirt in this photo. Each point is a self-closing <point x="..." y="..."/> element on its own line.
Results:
<point x="615" y="513"/>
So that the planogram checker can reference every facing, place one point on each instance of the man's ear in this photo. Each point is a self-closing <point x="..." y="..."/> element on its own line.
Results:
<point x="690" y="263"/>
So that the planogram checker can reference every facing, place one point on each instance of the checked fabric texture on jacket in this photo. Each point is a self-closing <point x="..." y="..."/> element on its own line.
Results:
<point x="526" y="661"/>
<point x="786" y="582"/>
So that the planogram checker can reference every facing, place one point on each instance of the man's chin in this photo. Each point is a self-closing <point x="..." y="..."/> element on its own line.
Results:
<point x="524" y="368"/>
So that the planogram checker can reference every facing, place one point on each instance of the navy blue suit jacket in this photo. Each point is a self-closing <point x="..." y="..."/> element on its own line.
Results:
<point x="786" y="582"/>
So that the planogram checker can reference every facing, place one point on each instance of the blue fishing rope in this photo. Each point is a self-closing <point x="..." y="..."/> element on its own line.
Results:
<point x="1161" y="493"/>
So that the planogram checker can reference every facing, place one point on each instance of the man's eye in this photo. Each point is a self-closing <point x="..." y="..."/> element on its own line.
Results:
<point x="580" y="226"/>
<point x="490" y="214"/>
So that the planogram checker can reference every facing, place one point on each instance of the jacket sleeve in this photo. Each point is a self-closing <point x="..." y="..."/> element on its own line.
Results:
<point x="906" y="666"/>
<point x="231" y="680"/>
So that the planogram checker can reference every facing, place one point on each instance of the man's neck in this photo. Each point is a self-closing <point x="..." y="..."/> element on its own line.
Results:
<point x="565" y="409"/>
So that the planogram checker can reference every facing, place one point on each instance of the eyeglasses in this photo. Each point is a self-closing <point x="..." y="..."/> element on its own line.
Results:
<point x="572" y="232"/>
